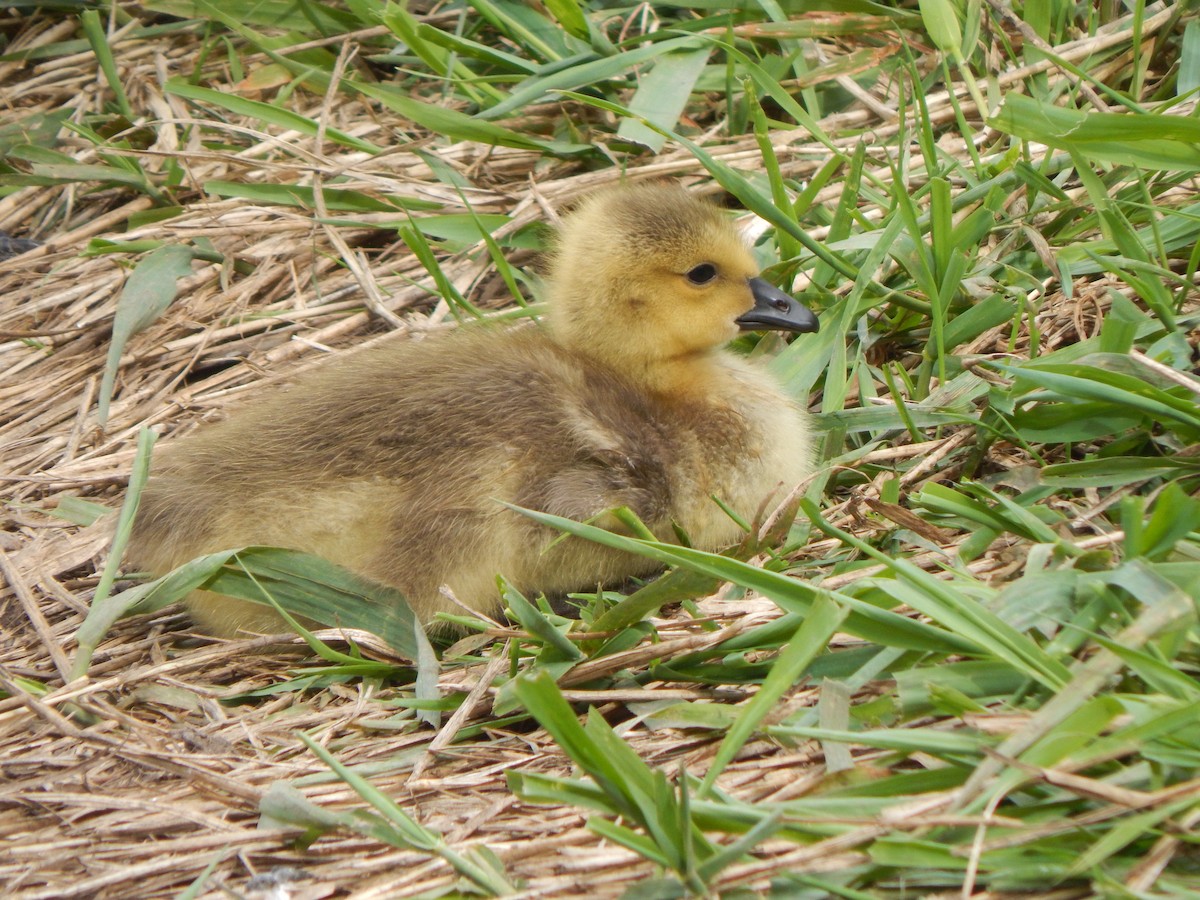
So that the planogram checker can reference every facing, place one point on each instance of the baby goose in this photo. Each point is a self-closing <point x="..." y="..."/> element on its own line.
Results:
<point x="390" y="463"/>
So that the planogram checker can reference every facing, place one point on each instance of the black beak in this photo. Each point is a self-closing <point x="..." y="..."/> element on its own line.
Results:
<point x="775" y="310"/>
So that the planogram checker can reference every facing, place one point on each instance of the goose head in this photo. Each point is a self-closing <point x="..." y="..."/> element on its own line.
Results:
<point x="649" y="277"/>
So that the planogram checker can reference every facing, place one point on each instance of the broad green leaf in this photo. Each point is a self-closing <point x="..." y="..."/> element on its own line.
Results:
<point x="569" y="14"/>
<point x="312" y="588"/>
<point x="589" y="70"/>
<point x="303" y="585"/>
<point x="147" y="294"/>
<point x="1156" y="719"/>
<point x="942" y="25"/>
<point x="36" y="129"/>
<point x="662" y="95"/>
<point x="1174" y="516"/>
<point x="80" y="511"/>
<point x="978" y="318"/>
<point x="1188" y="78"/>
<point x="1068" y="422"/>
<point x="72" y="173"/>
<point x="669" y="588"/>
<point x="1149" y="140"/>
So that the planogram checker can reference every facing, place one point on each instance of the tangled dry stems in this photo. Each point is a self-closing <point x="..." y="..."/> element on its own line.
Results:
<point x="131" y="781"/>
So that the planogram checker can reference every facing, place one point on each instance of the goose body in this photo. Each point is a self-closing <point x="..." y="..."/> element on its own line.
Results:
<point x="391" y="462"/>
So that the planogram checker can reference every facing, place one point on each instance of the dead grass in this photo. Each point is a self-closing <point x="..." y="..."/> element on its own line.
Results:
<point x="130" y="782"/>
<point x="171" y="779"/>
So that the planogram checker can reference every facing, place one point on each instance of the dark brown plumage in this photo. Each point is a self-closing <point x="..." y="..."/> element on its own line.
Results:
<point x="390" y="462"/>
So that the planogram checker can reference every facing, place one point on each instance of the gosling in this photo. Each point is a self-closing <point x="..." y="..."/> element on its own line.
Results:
<point x="391" y="462"/>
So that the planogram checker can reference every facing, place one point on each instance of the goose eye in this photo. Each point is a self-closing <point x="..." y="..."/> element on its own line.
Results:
<point x="702" y="274"/>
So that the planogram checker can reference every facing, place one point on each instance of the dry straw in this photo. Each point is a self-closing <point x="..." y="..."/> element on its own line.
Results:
<point x="133" y="780"/>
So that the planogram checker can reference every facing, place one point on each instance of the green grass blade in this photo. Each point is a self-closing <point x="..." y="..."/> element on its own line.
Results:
<point x="473" y="866"/>
<point x="265" y="112"/>
<point x="147" y="294"/>
<point x="105" y="608"/>
<point x="810" y="639"/>
<point x="98" y="38"/>
<point x="662" y="94"/>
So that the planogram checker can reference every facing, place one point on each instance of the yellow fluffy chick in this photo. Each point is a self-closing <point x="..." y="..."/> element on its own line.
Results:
<point x="390" y="463"/>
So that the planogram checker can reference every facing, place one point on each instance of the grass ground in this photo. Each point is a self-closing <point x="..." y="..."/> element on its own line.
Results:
<point x="967" y="668"/>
